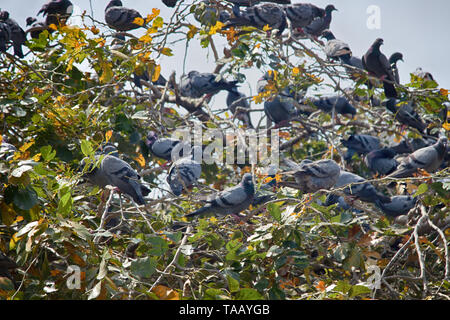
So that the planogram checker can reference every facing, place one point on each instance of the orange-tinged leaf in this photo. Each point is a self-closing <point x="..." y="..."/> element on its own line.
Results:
<point x="165" y="293"/>
<point x="36" y="157"/>
<point x="446" y="126"/>
<point x="295" y="71"/>
<point x="444" y="92"/>
<point x="167" y="52"/>
<point x="140" y="159"/>
<point x="139" y="21"/>
<point x="108" y="135"/>
<point x="53" y="26"/>
<point x="156" y="73"/>
<point x="321" y="286"/>
<point x="192" y="31"/>
<point x="26" y="146"/>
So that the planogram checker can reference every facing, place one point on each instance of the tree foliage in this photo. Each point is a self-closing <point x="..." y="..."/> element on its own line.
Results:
<point x="74" y="92"/>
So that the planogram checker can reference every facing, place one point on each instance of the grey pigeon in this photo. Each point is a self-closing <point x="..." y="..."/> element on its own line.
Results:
<point x="398" y="206"/>
<point x="393" y="59"/>
<point x="36" y="27"/>
<point x="18" y="36"/>
<point x="302" y="14"/>
<point x="377" y="64"/>
<point x="409" y="146"/>
<point x="184" y="172"/>
<point x="428" y="158"/>
<point x="5" y="35"/>
<point x="359" y="188"/>
<point x="314" y="176"/>
<point x="259" y="16"/>
<point x="360" y="144"/>
<point x="120" y="18"/>
<point x="352" y="61"/>
<point x="235" y="100"/>
<point x="116" y="172"/>
<point x="335" y="48"/>
<point x="108" y="149"/>
<point x="249" y="3"/>
<point x="57" y="11"/>
<point x="423" y="74"/>
<point x="230" y="201"/>
<point x="7" y="151"/>
<point x="340" y="104"/>
<point x="170" y="3"/>
<point x="319" y="25"/>
<point x="406" y="114"/>
<point x="381" y="161"/>
<point x="162" y="147"/>
<point x="196" y="84"/>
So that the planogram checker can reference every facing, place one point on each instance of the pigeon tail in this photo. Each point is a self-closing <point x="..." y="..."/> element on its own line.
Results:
<point x="201" y="211"/>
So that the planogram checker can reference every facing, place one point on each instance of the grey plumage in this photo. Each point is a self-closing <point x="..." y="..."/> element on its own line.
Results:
<point x="163" y="147"/>
<point x="120" y="18"/>
<point x="317" y="26"/>
<point x="313" y="176"/>
<point x="340" y="104"/>
<point x="381" y="161"/>
<point x="235" y="100"/>
<point x="259" y="16"/>
<point x="406" y="114"/>
<point x="393" y="59"/>
<point x="423" y="74"/>
<point x="359" y="187"/>
<point x="116" y="172"/>
<point x="56" y="11"/>
<point x="377" y="64"/>
<point x="398" y="206"/>
<point x="17" y="35"/>
<point x="230" y="201"/>
<point x="196" y="84"/>
<point x="184" y="173"/>
<point x="360" y="144"/>
<point x="335" y="48"/>
<point x="7" y="151"/>
<point x="5" y="35"/>
<point x="302" y="14"/>
<point x="428" y="158"/>
<point x="409" y="146"/>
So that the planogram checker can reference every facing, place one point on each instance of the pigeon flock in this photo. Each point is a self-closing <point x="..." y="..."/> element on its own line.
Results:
<point x="302" y="20"/>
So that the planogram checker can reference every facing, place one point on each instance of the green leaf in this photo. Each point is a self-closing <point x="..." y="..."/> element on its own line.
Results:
<point x="143" y="267"/>
<point x="274" y="210"/>
<point x="26" y="198"/>
<point x="248" y="294"/>
<point x="47" y="153"/>
<point x="421" y="189"/>
<point x="358" y="290"/>
<point x="233" y="284"/>
<point x="159" y="246"/>
<point x="214" y="294"/>
<point x="86" y="148"/>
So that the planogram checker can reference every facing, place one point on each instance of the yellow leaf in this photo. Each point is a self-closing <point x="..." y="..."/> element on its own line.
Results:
<point x="36" y="157"/>
<point x="53" y="26"/>
<point x="167" y="52"/>
<point x="267" y="28"/>
<point x="1" y="139"/>
<point x="295" y="71"/>
<point x="165" y="293"/>
<point x="7" y="213"/>
<point x="192" y="31"/>
<point x="140" y="159"/>
<point x="216" y="28"/>
<point x="108" y="135"/>
<point x="26" y="146"/>
<point x="139" y="21"/>
<point x="446" y="126"/>
<point x="156" y="73"/>
<point x="94" y="30"/>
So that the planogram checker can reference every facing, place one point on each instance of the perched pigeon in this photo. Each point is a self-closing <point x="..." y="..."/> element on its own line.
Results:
<point x="340" y="104"/>
<point x="170" y="3"/>
<point x="281" y="109"/>
<point x="184" y="173"/>
<point x="259" y="16"/>
<point x="36" y="27"/>
<point x="116" y="172"/>
<point x="406" y="114"/>
<point x="335" y="49"/>
<point x="423" y="74"/>
<point x="313" y="176"/>
<point x="7" y="151"/>
<point x="359" y="187"/>
<point x="302" y="14"/>
<point x="360" y="144"/>
<point x="230" y="201"/>
<point x="18" y="36"/>
<point x="144" y="76"/>
<point x="428" y="158"/>
<point x="236" y="99"/>
<point x="319" y="25"/>
<point x="57" y="11"/>
<point x="108" y="149"/>
<point x="398" y="206"/>
<point x="393" y="59"/>
<point x="381" y="161"/>
<point x="120" y="18"/>
<point x="377" y="64"/>
<point x="5" y="35"/>
<point x="163" y="147"/>
<point x="409" y="146"/>
<point x="196" y="84"/>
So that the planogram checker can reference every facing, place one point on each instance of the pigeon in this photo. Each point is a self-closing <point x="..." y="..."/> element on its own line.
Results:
<point x="397" y="206"/>
<point x="381" y="161"/>
<point x="340" y="104"/>
<point x="360" y="144"/>
<point x="236" y="99"/>
<point x="184" y="172"/>
<point x="301" y="15"/>
<point x="423" y="74"/>
<point x="230" y="201"/>
<point x="170" y="3"/>
<point x="409" y="146"/>
<point x="120" y="18"/>
<point x="319" y="25"/>
<point x="36" y="27"/>
<point x="429" y="158"/>
<point x="359" y="188"/>
<point x="18" y="36"/>
<point x="393" y="59"/>
<point x="281" y="109"/>
<point x="377" y="64"/>
<point x="7" y="151"/>
<point x="335" y="49"/>
<point x="196" y="84"/>
<point x="249" y="3"/>
<point x="116" y="172"/>
<point x="144" y="76"/>
<point x="108" y="149"/>
<point x="5" y="35"/>
<point x="314" y="176"/>
<point x="406" y="114"/>
<point x="57" y="11"/>
<point x="259" y="16"/>
<point x="163" y="147"/>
